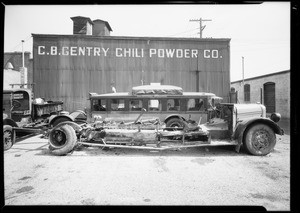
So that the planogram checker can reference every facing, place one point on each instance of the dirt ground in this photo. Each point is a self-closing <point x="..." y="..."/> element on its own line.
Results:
<point x="214" y="176"/>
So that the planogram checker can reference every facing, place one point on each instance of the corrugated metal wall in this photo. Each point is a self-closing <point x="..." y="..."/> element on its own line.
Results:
<point x="68" y="67"/>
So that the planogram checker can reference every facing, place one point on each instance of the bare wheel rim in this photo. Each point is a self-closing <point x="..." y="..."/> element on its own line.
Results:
<point x="8" y="141"/>
<point x="59" y="138"/>
<point x="260" y="140"/>
<point x="175" y="124"/>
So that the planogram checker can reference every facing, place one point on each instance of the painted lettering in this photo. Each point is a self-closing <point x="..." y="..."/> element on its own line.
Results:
<point x="119" y="52"/>
<point x="73" y="51"/>
<point x="194" y="53"/>
<point x="81" y="51"/>
<point x="41" y="50"/>
<point x="206" y="53"/>
<point x="152" y="52"/>
<point x="97" y="51"/>
<point x="53" y="50"/>
<point x="126" y="52"/>
<point x="105" y="51"/>
<point x="89" y="50"/>
<point x="65" y="51"/>
<point x="142" y="51"/>
<point x="137" y="53"/>
<point x="215" y="54"/>
<point x="187" y="53"/>
<point x="161" y="53"/>
<point x="179" y="53"/>
<point x="170" y="53"/>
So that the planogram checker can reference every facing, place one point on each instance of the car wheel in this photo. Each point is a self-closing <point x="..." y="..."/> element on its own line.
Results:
<point x="62" y="140"/>
<point x="260" y="139"/>
<point x="9" y="137"/>
<point x="174" y="122"/>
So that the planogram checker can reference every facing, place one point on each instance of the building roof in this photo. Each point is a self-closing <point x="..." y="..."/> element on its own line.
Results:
<point x="82" y="19"/>
<point x="131" y="37"/>
<point x="105" y="22"/>
<point x="262" y="76"/>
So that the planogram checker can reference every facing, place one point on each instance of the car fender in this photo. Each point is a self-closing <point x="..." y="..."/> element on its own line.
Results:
<point x="245" y="124"/>
<point x="74" y="125"/>
<point x="174" y="116"/>
<point x="53" y="118"/>
<point x="10" y="122"/>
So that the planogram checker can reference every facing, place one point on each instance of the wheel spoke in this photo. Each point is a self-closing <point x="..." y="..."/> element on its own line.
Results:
<point x="59" y="137"/>
<point x="260" y="140"/>
<point x="7" y="139"/>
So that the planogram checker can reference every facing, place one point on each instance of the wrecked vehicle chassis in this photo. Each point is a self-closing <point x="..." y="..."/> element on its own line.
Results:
<point x="236" y="124"/>
<point x="65" y="137"/>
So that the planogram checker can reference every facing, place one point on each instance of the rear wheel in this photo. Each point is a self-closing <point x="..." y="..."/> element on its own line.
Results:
<point x="260" y="139"/>
<point x="174" y="122"/>
<point x="62" y="140"/>
<point x="9" y="137"/>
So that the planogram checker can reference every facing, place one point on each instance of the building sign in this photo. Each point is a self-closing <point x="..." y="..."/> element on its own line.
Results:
<point x="119" y="52"/>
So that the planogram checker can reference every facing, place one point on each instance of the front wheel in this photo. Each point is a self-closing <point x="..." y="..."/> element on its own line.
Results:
<point x="9" y="137"/>
<point x="260" y="140"/>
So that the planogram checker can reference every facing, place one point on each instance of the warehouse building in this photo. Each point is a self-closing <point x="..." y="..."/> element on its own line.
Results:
<point x="68" y="67"/>
<point x="272" y="90"/>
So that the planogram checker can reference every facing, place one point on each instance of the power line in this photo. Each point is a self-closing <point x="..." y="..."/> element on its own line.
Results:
<point x="20" y="43"/>
<point x="184" y="32"/>
<point x="201" y="27"/>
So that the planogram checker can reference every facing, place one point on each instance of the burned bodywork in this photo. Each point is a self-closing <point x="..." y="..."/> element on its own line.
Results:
<point x="229" y="124"/>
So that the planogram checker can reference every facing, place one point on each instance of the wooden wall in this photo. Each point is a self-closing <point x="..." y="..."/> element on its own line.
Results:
<point x="62" y="71"/>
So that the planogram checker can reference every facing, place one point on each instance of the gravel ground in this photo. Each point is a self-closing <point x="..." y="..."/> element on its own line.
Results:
<point x="194" y="176"/>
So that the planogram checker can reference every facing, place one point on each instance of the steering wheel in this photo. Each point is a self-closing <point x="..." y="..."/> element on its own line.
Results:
<point x="16" y="104"/>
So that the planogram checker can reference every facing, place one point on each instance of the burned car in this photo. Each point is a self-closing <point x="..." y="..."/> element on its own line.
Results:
<point x="225" y="124"/>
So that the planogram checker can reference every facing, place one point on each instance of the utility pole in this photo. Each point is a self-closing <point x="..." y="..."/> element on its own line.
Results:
<point x="23" y="70"/>
<point x="201" y="27"/>
<point x="23" y="64"/>
<point x="243" y="70"/>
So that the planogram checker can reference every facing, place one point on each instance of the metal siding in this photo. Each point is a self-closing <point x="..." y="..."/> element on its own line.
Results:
<point x="71" y="78"/>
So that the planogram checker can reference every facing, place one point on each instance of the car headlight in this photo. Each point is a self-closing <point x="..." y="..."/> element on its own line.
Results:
<point x="275" y="117"/>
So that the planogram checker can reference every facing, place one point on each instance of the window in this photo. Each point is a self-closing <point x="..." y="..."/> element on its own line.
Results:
<point x="173" y="105"/>
<point x="117" y="105"/>
<point x="195" y="104"/>
<point x="135" y="105"/>
<point x="99" y="105"/>
<point x="20" y="101"/>
<point x="247" y="92"/>
<point x="154" y="105"/>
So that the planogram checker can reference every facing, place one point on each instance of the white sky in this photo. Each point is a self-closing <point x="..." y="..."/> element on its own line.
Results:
<point x="259" y="33"/>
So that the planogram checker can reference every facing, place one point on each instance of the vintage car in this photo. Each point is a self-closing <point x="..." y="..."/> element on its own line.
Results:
<point x="224" y="124"/>
<point x="22" y="115"/>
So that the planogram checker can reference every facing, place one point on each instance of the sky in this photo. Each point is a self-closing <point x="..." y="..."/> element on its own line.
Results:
<point x="259" y="32"/>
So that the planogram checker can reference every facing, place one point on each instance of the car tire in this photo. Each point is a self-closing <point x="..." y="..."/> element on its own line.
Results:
<point x="62" y="140"/>
<point x="9" y="137"/>
<point x="259" y="140"/>
<point x="174" y="122"/>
